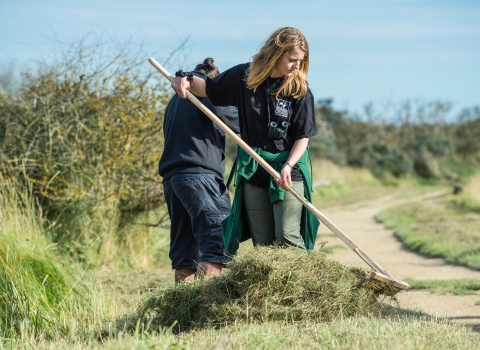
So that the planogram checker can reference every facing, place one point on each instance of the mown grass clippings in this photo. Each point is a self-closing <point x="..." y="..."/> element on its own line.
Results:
<point x="264" y="284"/>
<point x="455" y="286"/>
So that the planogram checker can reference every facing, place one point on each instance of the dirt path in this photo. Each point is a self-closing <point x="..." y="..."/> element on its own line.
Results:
<point x="357" y="221"/>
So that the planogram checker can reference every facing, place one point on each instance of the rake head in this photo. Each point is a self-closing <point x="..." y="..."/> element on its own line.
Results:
<point x="382" y="284"/>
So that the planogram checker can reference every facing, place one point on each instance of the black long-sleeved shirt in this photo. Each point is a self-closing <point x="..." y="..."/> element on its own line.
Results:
<point x="193" y="143"/>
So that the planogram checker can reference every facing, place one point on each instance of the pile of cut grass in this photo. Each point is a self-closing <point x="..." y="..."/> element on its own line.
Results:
<point x="264" y="284"/>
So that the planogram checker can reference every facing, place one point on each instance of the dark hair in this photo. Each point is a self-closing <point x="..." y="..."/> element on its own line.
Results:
<point x="208" y="68"/>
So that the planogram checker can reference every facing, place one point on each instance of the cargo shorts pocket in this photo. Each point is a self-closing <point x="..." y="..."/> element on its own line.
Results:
<point x="214" y="219"/>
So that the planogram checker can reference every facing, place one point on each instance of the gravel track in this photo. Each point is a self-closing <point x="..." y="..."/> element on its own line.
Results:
<point x="357" y="221"/>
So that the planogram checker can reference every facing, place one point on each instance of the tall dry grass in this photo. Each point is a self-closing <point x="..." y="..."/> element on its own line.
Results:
<point x="333" y="183"/>
<point x="332" y="173"/>
<point x="470" y="196"/>
<point x="41" y="296"/>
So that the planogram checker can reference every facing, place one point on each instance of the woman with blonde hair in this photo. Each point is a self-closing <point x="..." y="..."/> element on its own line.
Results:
<point x="277" y="117"/>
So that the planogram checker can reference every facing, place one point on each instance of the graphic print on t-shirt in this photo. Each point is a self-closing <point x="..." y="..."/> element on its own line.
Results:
<point x="283" y="108"/>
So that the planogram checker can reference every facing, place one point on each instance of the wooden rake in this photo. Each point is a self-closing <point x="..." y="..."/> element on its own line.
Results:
<point x="378" y="280"/>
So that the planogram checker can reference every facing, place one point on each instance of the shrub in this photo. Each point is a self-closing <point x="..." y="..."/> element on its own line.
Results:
<point x="426" y="166"/>
<point x="84" y="137"/>
<point x="325" y="148"/>
<point x="86" y="131"/>
<point x="416" y="127"/>
<point x="467" y="131"/>
<point x="433" y="144"/>
<point x="380" y="159"/>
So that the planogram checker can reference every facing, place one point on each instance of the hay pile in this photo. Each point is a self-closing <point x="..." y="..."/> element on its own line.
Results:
<point x="264" y="284"/>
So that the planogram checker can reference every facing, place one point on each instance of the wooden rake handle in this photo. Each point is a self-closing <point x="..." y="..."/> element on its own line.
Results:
<point x="275" y="175"/>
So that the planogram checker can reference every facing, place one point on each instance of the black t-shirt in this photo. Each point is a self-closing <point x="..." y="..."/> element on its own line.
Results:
<point x="193" y="143"/>
<point x="229" y="89"/>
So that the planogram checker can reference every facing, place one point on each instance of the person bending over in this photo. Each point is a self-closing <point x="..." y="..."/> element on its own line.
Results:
<point x="192" y="166"/>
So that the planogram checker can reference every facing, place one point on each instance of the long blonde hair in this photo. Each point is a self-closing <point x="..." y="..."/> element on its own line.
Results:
<point x="282" y="40"/>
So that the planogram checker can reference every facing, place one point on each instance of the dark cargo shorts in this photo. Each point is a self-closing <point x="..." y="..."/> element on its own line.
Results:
<point x="197" y="204"/>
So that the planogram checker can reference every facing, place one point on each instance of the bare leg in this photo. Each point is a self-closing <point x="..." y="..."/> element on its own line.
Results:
<point x="184" y="274"/>
<point x="209" y="269"/>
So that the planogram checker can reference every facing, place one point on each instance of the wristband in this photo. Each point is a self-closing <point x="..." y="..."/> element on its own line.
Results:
<point x="189" y="76"/>
<point x="290" y="165"/>
<point x="182" y="74"/>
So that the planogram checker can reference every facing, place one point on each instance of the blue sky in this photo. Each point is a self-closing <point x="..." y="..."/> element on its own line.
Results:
<point x="361" y="51"/>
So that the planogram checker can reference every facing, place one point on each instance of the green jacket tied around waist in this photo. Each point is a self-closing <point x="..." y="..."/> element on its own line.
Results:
<point x="235" y="227"/>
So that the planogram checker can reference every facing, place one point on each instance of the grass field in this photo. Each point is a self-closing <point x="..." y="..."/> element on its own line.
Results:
<point x="85" y="306"/>
<point x="439" y="227"/>
<point x="454" y="286"/>
<point x="339" y="186"/>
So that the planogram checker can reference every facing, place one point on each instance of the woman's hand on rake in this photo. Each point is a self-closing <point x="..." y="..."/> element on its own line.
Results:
<point x="181" y="85"/>
<point x="285" y="178"/>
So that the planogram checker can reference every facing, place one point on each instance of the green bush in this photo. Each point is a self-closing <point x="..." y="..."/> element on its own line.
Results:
<point x="434" y="144"/>
<point x="418" y="128"/>
<point x="82" y="137"/>
<point x="325" y="148"/>
<point x="455" y="165"/>
<point x="467" y="132"/>
<point x="426" y="166"/>
<point x="86" y="131"/>
<point x="380" y="159"/>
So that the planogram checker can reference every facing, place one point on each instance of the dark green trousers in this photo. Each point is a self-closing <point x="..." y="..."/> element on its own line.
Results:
<point x="277" y="223"/>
